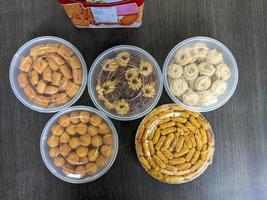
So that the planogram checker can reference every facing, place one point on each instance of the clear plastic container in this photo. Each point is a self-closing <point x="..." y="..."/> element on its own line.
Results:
<point x="174" y="145"/>
<point x="95" y="78"/>
<point x="228" y="59"/>
<point x="15" y="71"/>
<point x="66" y="150"/>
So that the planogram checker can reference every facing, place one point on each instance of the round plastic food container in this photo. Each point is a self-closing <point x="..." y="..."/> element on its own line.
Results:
<point x="48" y="74"/>
<point x="125" y="82"/>
<point x="79" y="144"/>
<point x="174" y="145"/>
<point x="200" y="74"/>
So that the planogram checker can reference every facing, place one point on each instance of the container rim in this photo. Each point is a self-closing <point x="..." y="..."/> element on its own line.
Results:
<point x="91" y="89"/>
<point x="27" y="102"/>
<point x="197" y="108"/>
<point x="45" y="132"/>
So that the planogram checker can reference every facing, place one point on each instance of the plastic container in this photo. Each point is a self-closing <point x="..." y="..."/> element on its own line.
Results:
<point x="172" y="150"/>
<point x="82" y="176"/>
<point x="25" y="51"/>
<point x="228" y="59"/>
<point x="97" y="69"/>
<point x="104" y="13"/>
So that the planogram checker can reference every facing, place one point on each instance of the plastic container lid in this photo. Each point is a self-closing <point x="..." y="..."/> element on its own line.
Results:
<point x="48" y="74"/>
<point x="228" y="59"/>
<point x="125" y="82"/>
<point x="174" y="145"/>
<point x="79" y="144"/>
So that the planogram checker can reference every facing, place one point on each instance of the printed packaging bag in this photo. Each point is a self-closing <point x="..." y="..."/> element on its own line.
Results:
<point x="104" y="13"/>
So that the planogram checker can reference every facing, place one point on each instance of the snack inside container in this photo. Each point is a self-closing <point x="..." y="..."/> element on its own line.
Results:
<point x="48" y="74"/>
<point x="125" y="82"/>
<point x="227" y="85"/>
<point x="174" y="145"/>
<point x="104" y="13"/>
<point x="79" y="144"/>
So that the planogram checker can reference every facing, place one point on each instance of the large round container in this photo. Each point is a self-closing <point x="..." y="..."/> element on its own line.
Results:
<point x="110" y="69"/>
<point x="44" y="50"/>
<point x="228" y="59"/>
<point x="174" y="145"/>
<point x="79" y="144"/>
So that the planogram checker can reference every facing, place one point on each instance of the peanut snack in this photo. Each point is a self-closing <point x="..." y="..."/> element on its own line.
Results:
<point x="126" y="83"/>
<point x="81" y="143"/>
<point x="51" y="75"/>
<point x="198" y="75"/>
<point x="174" y="145"/>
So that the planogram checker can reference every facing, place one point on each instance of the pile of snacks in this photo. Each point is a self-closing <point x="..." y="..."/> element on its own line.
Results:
<point x="81" y="143"/>
<point x="174" y="145"/>
<point x="126" y="83"/>
<point x="51" y="75"/>
<point x="198" y="75"/>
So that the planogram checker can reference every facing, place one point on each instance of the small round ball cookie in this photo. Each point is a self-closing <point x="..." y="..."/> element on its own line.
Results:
<point x="57" y="129"/>
<point x="75" y="117"/>
<point x="80" y="170"/>
<point x="81" y="128"/>
<point x="97" y="141"/>
<point x="82" y="151"/>
<point x="84" y="160"/>
<point x="84" y="116"/>
<point x="64" y="149"/>
<point x="101" y="161"/>
<point x="59" y="161"/>
<point x="104" y="128"/>
<point x="74" y="142"/>
<point x="73" y="159"/>
<point x="64" y="138"/>
<point x="106" y="150"/>
<point x="108" y="139"/>
<point x="95" y="120"/>
<point x="68" y="169"/>
<point x="53" y="141"/>
<point x="71" y="129"/>
<point x="91" y="168"/>
<point x="85" y="140"/>
<point x="54" y="152"/>
<point x="92" y="130"/>
<point x="64" y="121"/>
<point x="93" y="154"/>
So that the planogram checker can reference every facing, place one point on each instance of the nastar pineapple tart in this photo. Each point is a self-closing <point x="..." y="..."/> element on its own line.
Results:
<point x="80" y="143"/>
<point x="51" y="75"/>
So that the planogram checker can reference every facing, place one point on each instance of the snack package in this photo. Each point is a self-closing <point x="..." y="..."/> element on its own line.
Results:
<point x="104" y="13"/>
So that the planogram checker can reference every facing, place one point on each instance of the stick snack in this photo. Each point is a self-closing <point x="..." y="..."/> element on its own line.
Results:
<point x="174" y="145"/>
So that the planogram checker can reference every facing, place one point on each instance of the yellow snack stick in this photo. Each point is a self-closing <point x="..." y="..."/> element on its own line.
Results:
<point x="168" y="140"/>
<point x="179" y="144"/>
<point x="189" y="156"/>
<point x="160" y="142"/>
<point x="181" y="153"/>
<point x="177" y="161"/>
<point x="145" y="163"/>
